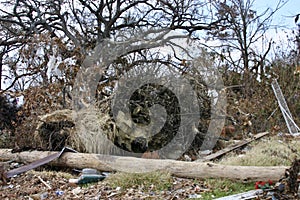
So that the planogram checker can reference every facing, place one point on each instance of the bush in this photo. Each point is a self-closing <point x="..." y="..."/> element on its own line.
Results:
<point x="8" y="114"/>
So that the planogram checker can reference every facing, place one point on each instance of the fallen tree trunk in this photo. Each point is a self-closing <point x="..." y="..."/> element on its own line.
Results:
<point x="131" y="164"/>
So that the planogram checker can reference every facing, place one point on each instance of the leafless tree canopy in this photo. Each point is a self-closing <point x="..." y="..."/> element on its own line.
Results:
<point x="73" y="27"/>
<point x="240" y="32"/>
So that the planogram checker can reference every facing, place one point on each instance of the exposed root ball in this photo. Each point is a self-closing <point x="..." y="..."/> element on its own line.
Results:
<point x="56" y="130"/>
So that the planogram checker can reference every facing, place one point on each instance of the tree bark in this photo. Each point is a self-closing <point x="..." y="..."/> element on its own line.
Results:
<point x="1" y="69"/>
<point x="132" y="164"/>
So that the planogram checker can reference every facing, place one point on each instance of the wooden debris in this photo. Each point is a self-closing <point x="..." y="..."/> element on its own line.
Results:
<point x="292" y="177"/>
<point x="3" y="176"/>
<point x="134" y="165"/>
<point x="252" y="194"/>
<point x="46" y="184"/>
<point x="231" y="148"/>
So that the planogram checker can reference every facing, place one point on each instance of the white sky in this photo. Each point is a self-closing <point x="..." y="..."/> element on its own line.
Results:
<point x="285" y="16"/>
<point x="283" y="19"/>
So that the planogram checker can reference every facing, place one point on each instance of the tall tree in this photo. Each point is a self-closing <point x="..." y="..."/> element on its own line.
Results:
<point x="240" y="33"/>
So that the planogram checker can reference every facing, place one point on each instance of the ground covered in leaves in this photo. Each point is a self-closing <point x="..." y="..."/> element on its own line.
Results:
<point x="53" y="183"/>
<point x="155" y="185"/>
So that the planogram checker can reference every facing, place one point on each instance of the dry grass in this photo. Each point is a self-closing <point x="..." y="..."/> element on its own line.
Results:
<point x="156" y="180"/>
<point x="48" y="174"/>
<point x="266" y="152"/>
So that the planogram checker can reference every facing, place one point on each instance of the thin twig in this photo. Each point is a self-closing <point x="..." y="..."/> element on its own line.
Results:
<point x="46" y="184"/>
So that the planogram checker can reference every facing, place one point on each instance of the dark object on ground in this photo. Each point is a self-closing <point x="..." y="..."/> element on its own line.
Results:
<point x="36" y="163"/>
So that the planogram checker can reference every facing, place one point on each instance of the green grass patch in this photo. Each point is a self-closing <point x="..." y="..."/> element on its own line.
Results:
<point x="224" y="187"/>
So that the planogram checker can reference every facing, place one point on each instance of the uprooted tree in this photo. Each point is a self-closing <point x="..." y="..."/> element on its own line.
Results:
<point x="50" y="41"/>
<point x="45" y="43"/>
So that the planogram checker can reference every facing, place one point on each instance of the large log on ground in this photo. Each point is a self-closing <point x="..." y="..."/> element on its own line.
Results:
<point x="132" y="164"/>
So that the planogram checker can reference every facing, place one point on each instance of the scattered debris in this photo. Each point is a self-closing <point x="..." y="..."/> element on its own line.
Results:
<point x="46" y="184"/>
<point x="232" y="147"/>
<point x="59" y="192"/>
<point x="89" y="175"/>
<point x="291" y="177"/>
<point x="35" y="164"/>
<point x="195" y="196"/>
<point x="286" y="188"/>
<point x="39" y="196"/>
<point x="290" y="123"/>
<point x="263" y="185"/>
<point x="228" y="132"/>
<point x="253" y="194"/>
<point x="76" y="191"/>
